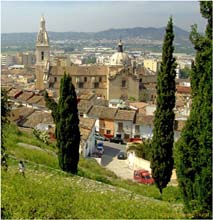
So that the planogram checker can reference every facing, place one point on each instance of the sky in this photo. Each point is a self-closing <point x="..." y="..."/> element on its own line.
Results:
<point x="93" y="16"/>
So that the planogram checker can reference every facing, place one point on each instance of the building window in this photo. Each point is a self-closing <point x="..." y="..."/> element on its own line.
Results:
<point x="80" y="85"/>
<point x="96" y="85"/>
<point x="42" y="55"/>
<point x="108" y="132"/>
<point x="85" y="79"/>
<point x="120" y="126"/>
<point x="123" y="85"/>
<point x="55" y="78"/>
<point x="100" y="79"/>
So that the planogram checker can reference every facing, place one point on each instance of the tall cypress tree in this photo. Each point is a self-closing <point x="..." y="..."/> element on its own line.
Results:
<point x="194" y="149"/>
<point x="163" y="134"/>
<point x="65" y="115"/>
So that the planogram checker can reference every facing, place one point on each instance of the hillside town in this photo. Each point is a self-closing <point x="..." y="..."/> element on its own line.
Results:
<point x="116" y="95"/>
<point x="106" y="110"/>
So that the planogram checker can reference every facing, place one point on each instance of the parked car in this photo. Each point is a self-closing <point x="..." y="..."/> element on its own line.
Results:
<point x="122" y="155"/>
<point x="117" y="140"/>
<point x="143" y="176"/>
<point x="99" y="137"/>
<point x="100" y="147"/>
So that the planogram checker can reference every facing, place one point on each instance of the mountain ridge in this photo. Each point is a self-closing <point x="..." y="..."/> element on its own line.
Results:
<point x="113" y="33"/>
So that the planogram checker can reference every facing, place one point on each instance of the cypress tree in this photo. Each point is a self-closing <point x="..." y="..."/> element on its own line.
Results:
<point x="193" y="154"/>
<point x="163" y="133"/>
<point x="65" y="115"/>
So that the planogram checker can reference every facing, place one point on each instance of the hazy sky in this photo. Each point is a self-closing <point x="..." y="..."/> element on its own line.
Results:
<point x="89" y="16"/>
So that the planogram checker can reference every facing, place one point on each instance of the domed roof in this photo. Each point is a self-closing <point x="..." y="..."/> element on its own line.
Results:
<point x="120" y="58"/>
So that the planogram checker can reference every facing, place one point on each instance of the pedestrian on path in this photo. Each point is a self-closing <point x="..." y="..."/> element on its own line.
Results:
<point x="21" y="168"/>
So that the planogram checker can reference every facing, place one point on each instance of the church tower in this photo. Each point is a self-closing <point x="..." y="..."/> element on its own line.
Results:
<point x="42" y="56"/>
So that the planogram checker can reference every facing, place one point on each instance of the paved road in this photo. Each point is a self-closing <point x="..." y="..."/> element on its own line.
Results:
<point x="110" y="161"/>
<point x="120" y="167"/>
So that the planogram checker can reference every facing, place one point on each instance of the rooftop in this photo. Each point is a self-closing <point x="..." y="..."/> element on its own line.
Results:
<point x="38" y="117"/>
<point x="142" y="119"/>
<point x="125" y="115"/>
<point x="102" y="112"/>
<point x="25" y="96"/>
<point x="183" y="89"/>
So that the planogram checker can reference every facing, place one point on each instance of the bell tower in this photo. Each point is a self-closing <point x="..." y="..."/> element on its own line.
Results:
<point x="42" y="55"/>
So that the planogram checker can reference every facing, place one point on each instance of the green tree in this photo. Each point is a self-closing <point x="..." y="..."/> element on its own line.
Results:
<point x="184" y="73"/>
<point x="65" y="115"/>
<point x="163" y="133"/>
<point x="193" y="153"/>
<point x="5" y="111"/>
<point x="142" y="150"/>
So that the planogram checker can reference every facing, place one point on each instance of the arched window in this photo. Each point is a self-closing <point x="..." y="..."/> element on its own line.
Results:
<point x="42" y="55"/>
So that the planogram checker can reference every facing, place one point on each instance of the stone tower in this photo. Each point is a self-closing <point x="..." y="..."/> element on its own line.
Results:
<point x="42" y="57"/>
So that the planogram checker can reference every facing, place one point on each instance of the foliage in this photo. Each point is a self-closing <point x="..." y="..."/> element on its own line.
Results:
<point x="184" y="73"/>
<point x="14" y="135"/>
<point x="88" y="167"/>
<point x="142" y="150"/>
<point x="42" y="135"/>
<point x="52" y="105"/>
<point x="131" y="98"/>
<point x="53" y="194"/>
<point x="90" y="60"/>
<point x="47" y="192"/>
<point x="65" y="115"/>
<point x="5" y="111"/>
<point x="163" y="133"/>
<point x="194" y="149"/>
<point x="144" y="96"/>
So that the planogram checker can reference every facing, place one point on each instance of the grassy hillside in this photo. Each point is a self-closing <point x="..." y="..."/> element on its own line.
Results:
<point x="48" y="192"/>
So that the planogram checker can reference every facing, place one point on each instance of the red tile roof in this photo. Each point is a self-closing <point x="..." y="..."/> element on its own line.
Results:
<point x="183" y="89"/>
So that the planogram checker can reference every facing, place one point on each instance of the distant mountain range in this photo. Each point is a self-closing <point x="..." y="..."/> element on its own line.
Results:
<point x="111" y="34"/>
<point x="150" y="33"/>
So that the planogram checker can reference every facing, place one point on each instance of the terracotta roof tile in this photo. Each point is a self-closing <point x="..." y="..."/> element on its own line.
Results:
<point x="96" y="111"/>
<point x="138" y="105"/>
<point x="125" y="115"/>
<point x="142" y="119"/>
<point x="102" y="112"/>
<point x="20" y="113"/>
<point x="25" y="96"/>
<point x="14" y="93"/>
<point x="183" y="89"/>
<point x="38" y="117"/>
<point x="87" y="123"/>
<point x="34" y="99"/>
<point x="80" y="70"/>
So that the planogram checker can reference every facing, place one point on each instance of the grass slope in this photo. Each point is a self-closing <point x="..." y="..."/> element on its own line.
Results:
<point x="48" y="192"/>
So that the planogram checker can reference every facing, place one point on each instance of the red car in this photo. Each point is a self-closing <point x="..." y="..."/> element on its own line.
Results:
<point x="143" y="176"/>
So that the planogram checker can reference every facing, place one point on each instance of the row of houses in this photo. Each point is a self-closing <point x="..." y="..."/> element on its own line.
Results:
<point x="135" y="120"/>
<point x="29" y="119"/>
<point x="127" y="124"/>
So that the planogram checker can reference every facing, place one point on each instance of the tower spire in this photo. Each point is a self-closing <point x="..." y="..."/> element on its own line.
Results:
<point x="120" y="46"/>
<point x="42" y="37"/>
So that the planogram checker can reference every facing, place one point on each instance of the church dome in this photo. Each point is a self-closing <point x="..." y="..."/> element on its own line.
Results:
<point x="120" y="58"/>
